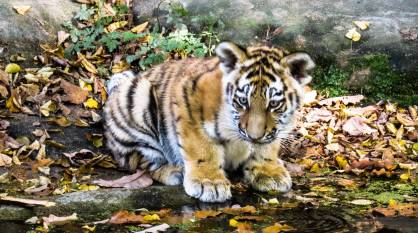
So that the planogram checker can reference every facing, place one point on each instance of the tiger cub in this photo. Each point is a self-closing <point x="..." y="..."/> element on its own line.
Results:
<point x="188" y="121"/>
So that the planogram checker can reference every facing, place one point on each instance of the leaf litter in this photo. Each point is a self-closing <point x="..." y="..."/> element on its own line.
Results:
<point x="344" y="141"/>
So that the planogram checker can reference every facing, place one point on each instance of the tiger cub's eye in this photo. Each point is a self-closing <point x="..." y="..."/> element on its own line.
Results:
<point x="274" y="103"/>
<point x="243" y="101"/>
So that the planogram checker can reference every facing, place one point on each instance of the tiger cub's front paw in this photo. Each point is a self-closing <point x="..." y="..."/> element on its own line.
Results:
<point x="208" y="190"/>
<point x="269" y="179"/>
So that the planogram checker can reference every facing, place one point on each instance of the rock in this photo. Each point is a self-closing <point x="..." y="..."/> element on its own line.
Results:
<point x="24" y="33"/>
<point x="13" y="213"/>
<point x="317" y="27"/>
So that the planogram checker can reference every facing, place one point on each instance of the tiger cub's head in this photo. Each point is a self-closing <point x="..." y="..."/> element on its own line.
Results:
<point x="263" y="88"/>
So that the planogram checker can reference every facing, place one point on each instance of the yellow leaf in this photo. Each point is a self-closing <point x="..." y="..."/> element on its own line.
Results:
<point x="47" y="107"/>
<point x="273" y="201"/>
<point x="342" y="161"/>
<point x="315" y="168"/>
<point x="363" y="25"/>
<point x="140" y="28"/>
<point x="21" y="10"/>
<point x="120" y="66"/>
<point x="91" y="103"/>
<point x="233" y="222"/>
<point x="89" y="228"/>
<point x="12" y="68"/>
<point x="86" y="64"/>
<point x="415" y="146"/>
<point x="153" y="217"/>
<point x="404" y="177"/>
<point x="86" y="187"/>
<point x="392" y="202"/>
<point x="353" y="35"/>
<point x="84" y="85"/>
<point x="116" y="25"/>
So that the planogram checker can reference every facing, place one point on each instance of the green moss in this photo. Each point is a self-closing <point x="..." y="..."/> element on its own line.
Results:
<point x="383" y="82"/>
<point x="384" y="191"/>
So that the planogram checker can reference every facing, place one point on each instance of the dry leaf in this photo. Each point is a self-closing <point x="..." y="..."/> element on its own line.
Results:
<point x="5" y="160"/>
<point x="140" y="28"/>
<point x="22" y="10"/>
<point x="361" y="202"/>
<point x="124" y="217"/>
<point x="91" y="103"/>
<point x="353" y="35"/>
<point x="134" y="181"/>
<point x="116" y="25"/>
<point x="86" y="64"/>
<point x="356" y="126"/>
<point x="56" y="220"/>
<point x="319" y="114"/>
<point x="276" y="228"/>
<point x="206" y="213"/>
<point x="158" y="228"/>
<point x="74" y="94"/>
<point x="62" y="36"/>
<point x="363" y="25"/>
<point x="30" y="202"/>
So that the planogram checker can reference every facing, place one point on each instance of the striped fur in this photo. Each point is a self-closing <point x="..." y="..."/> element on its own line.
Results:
<point x="188" y="121"/>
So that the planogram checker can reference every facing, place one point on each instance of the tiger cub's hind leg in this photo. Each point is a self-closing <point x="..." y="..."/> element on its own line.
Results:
<point x="131" y="115"/>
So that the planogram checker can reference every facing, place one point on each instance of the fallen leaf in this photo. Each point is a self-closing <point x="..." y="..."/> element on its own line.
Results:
<point x="12" y="68"/>
<point x="74" y="94"/>
<point x="134" y="181"/>
<point x="124" y="217"/>
<point x="86" y="64"/>
<point x="233" y="222"/>
<point x="56" y="220"/>
<point x="140" y="28"/>
<point x="62" y="36"/>
<point x="5" y="160"/>
<point x="319" y="114"/>
<point x="151" y="217"/>
<point x="158" y="228"/>
<point x="116" y="25"/>
<point x="30" y="202"/>
<point x="22" y="10"/>
<point x="239" y="210"/>
<point x="363" y="25"/>
<point x="277" y="227"/>
<point x="206" y="213"/>
<point x="356" y="126"/>
<point x="91" y="103"/>
<point x="353" y="35"/>
<point x="361" y="202"/>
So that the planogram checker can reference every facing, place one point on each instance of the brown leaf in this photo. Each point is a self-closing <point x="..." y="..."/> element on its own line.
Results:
<point x="134" y="181"/>
<point x="206" y="213"/>
<point x="277" y="227"/>
<point x="62" y="36"/>
<point x="356" y="126"/>
<point x="319" y="114"/>
<point x="240" y="210"/>
<point x="74" y="94"/>
<point x="124" y="216"/>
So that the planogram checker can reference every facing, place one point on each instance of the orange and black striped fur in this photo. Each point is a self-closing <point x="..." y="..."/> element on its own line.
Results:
<point x="188" y="121"/>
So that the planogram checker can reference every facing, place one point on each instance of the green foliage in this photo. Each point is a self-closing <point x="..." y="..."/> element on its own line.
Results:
<point x="84" y="13"/>
<point x="382" y="83"/>
<point x="160" y="47"/>
<point x="154" y="48"/>
<point x="383" y="191"/>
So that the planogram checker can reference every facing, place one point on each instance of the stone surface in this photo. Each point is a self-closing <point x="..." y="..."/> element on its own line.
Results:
<point x="318" y="27"/>
<point x="24" y="33"/>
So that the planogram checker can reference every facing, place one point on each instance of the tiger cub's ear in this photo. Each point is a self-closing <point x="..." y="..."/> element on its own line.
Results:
<point x="230" y="55"/>
<point x="299" y="65"/>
